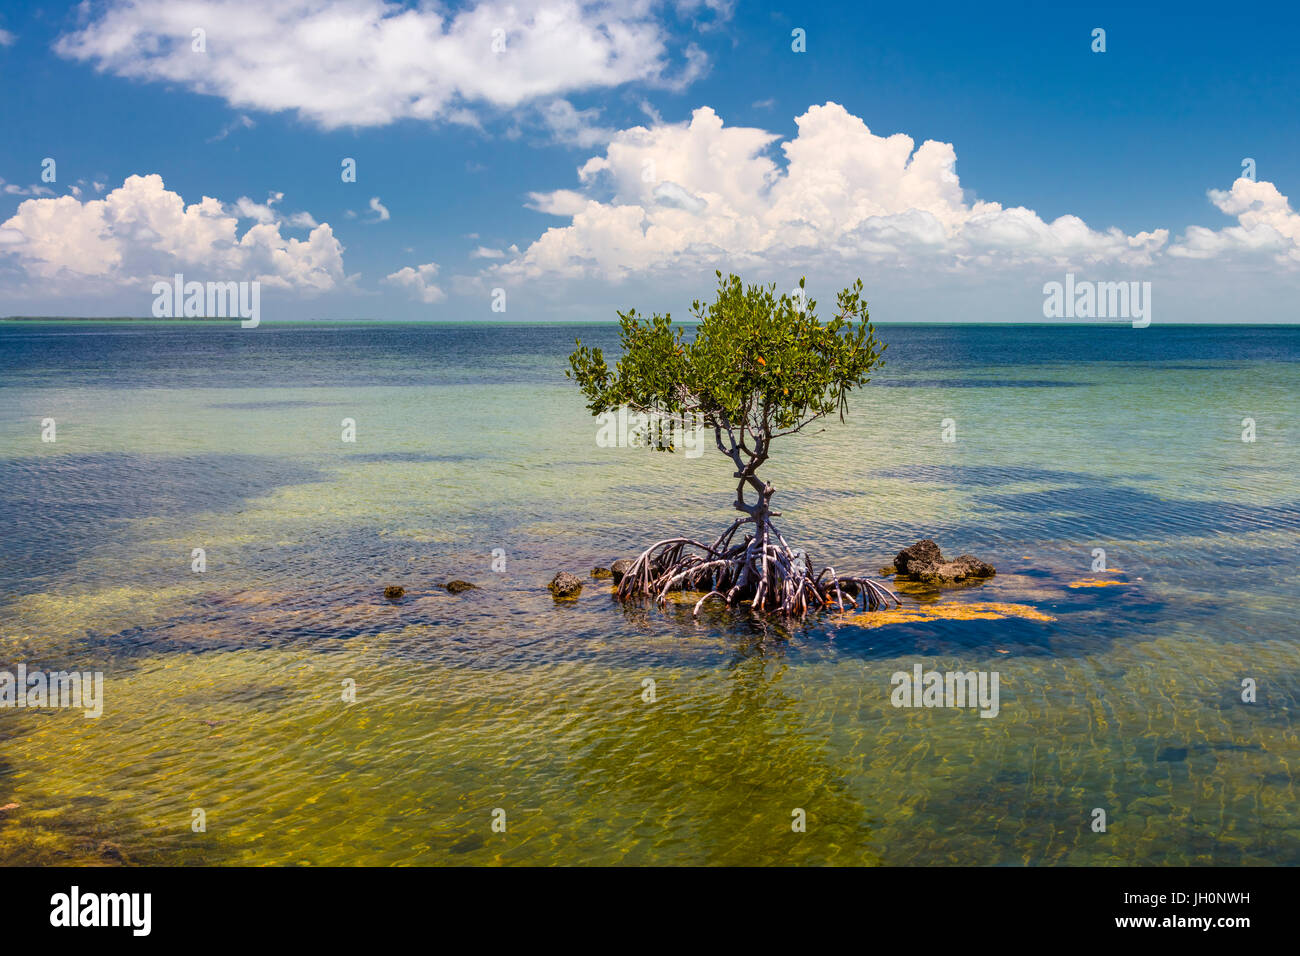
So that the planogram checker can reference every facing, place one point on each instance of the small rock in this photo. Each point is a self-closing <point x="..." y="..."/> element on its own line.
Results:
<point x="394" y="592"/>
<point x="565" y="584"/>
<point x="924" y="551"/>
<point x="466" y="844"/>
<point x="975" y="568"/>
<point x="924" y="562"/>
<point x="111" y="851"/>
<point x="619" y="568"/>
<point x="456" y="587"/>
<point x="601" y="573"/>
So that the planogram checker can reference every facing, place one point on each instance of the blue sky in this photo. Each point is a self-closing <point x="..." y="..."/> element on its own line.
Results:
<point x="459" y="142"/>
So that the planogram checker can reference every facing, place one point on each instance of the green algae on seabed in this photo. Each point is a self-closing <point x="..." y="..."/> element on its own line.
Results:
<point x="588" y="771"/>
<point x="225" y="690"/>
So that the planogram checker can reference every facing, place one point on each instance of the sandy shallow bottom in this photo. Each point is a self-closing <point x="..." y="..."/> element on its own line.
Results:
<point x="225" y="690"/>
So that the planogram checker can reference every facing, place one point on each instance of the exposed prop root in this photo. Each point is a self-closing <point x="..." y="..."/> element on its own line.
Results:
<point x="761" y="569"/>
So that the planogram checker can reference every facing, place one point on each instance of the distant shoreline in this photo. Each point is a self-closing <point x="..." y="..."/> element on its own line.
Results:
<point x="575" y="323"/>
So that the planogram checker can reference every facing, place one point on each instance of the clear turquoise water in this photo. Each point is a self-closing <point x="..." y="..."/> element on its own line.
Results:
<point x="224" y="688"/>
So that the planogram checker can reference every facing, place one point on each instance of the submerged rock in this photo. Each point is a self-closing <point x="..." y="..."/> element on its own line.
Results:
<point x="619" y="568"/>
<point x="456" y="587"/>
<point x="924" y="562"/>
<point x="394" y="592"/>
<point x="111" y="852"/>
<point x="601" y="573"/>
<point x="565" y="584"/>
<point x="474" y="841"/>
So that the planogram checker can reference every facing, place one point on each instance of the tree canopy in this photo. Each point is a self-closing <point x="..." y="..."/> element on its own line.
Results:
<point x="759" y="367"/>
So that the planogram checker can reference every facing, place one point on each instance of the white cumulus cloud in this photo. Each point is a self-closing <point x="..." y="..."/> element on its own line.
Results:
<point x="699" y="192"/>
<point x="1265" y="223"/>
<point x="370" y="62"/>
<point x="419" y="282"/>
<point x="266" y="213"/>
<point x="141" y="230"/>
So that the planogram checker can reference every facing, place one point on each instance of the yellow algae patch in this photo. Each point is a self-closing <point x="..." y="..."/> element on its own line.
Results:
<point x="689" y="598"/>
<point x="1094" y="583"/>
<point x="972" y="611"/>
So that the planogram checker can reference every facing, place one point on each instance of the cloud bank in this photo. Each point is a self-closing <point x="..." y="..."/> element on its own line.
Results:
<point x="670" y="195"/>
<point x="369" y="63"/>
<point x="142" y="230"/>
<point x="684" y="196"/>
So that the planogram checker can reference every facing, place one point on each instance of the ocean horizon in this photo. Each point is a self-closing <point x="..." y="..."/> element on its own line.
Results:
<point x="580" y="323"/>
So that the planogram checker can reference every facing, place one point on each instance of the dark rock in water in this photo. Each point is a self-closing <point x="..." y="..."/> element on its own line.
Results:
<point x="620" y="567"/>
<point x="924" y="562"/>
<point x="924" y="551"/>
<point x="565" y="584"/>
<point x="394" y="592"/>
<point x="601" y="573"/>
<point x="887" y="570"/>
<point x="111" y="852"/>
<point x="961" y="569"/>
<point x="474" y="841"/>
<point x="456" y="587"/>
<point x="974" y="567"/>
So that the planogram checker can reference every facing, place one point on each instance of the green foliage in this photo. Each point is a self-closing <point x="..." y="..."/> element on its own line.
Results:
<point x="758" y="367"/>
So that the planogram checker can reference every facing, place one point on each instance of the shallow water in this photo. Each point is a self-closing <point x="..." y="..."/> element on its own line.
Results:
<point x="224" y="689"/>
